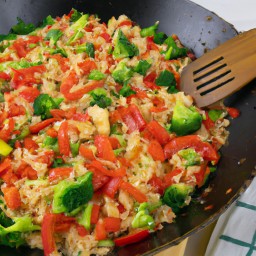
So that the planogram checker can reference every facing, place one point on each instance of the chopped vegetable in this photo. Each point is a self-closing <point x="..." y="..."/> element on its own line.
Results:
<point x="190" y="155"/>
<point x="160" y="37"/>
<point x="149" y="31"/>
<point x="100" y="98"/>
<point x="142" y="67"/>
<point x="21" y="28"/>
<point x="85" y="219"/>
<point x="122" y="73"/>
<point x="69" y="195"/>
<point x="126" y="91"/>
<point x="173" y="50"/>
<point x="80" y="23"/>
<point x="96" y="75"/>
<point x="166" y="78"/>
<point x="5" y="149"/>
<point x="53" y="35"/>
<point x="88" y="48"/>
<point x="76" y="15"/>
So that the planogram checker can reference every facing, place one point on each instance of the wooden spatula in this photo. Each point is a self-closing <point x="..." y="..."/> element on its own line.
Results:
<point x="222" y="71"/>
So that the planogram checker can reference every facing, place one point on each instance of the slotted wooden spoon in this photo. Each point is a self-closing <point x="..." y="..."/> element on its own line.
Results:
<point x="222" y="71"/>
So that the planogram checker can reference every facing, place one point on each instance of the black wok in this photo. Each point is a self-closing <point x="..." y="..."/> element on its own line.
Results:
<point x="198" y="29"/>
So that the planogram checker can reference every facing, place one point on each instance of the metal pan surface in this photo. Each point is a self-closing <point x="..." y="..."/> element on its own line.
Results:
<point x="200" y="30"/>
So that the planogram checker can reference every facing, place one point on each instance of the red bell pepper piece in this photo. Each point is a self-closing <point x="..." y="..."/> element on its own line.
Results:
<point x="137" y="116"/>
<point x="81" y="230"/>
<point x="47" y="233"/>
<point x="59" y="173"/>
<point x="158" y="131"/>
<point x="63" y="139"/>
<point x="150" y="44"/>
<point x="156" y="151"/>
<point x="120" y="172"/>
<point x="40" y="126"/>
<point x="233" y="112"/>
<point x="111" y="187"/>
<point x="157" y="184"/>
<point x="114" y="142"/>
<point x="52" y="133"/>
<point x="107" y="37"/>
<point x="5" y="134"/>
<point x="86" y="152"/>
<point x="16" y="110"/>
<point x="95" y="213"/>
<point x="131" y="238"/>
<point x="112" y="224"/>
<point x="26" y="76"/>
<point x="5" y="164"/>
<point x="208" y="123"/>
<point x="98" y="179"/>
<point x="104" y="148"/>
<point x="12" y="197"/>
<point x="63" y="62"/>
<point x="30" y="145"/>
<point x="87" y="66"/>
<point x="5" y="76"/>
<point x="125" y="23"/>
<point x="30" y="94"/>
<point x="72" y="80"/>
<point x="168" y="178"/>
<point x="205" y="149"/>
<point x="134" y="192"/>
<point x="201" y="175"/>
<point x="100" y="232"/>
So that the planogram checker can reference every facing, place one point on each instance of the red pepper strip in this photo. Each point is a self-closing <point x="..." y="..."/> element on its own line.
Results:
<point x="30" y="145"/>
<point x="26" y="76"/>
<point x="5" y="134"/>
<point x="156" y="151"/>
<point x="5" y="76"/>
<point x="201" y="175"/>
<point x="107" y="37"/>
<point x="72" y="80"/>
<point x="63" y="62"/>
<point x="112" y="224"/>
<point x="95" y="213"/>
<point x="111" y="187"/>
<point x="125" y="23"/>
<point x="63" y="139"/>
<point x="114" y="142"/>
<point x="104" y="148"/>
<point x="5" y="164"/>
<point x="63" y="223"/>
<point x="100" y="232"/>
<point x="40" y="126"/>
<point x="208" y="123"/>
<point x="137" y="194"/>
<point x="81" y="117"/>
<point x="120" y="172"/>
<point x="191" y="141"/>
<point x="47" y="233"/>
<point x="25" y="170"/>
<point x="150" y="44"/>
<point x="157" y="184"/>
<point x="87" y="66"/>
<point x="30" y="94"/>
<point x="52" y="133"/>
<point x="131" y="238"/>
<point x="81" y="230"/>
<point x="86" y="152"/>
<point x="61" y="114"/>
<point x="6" y="58"/>
<point x="98" y="179"/>
<point x="59" y="173"/>
<point x="158" y="131"/>
<point x="168" y="178"/>
<point x="138" y="118"/>
<point x="12" y="197"/>
<point x="16" y="110"/>
<point x="233" y="112"/>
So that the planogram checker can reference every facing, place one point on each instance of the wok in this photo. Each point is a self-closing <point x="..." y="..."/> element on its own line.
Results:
<point x="198" y="29"/>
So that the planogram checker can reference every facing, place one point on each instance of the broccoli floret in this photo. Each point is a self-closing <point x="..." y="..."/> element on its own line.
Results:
<point x="166" y="78"/>
<point x="122" y="73"/>
<point x="11" y="232"/>
<point x="126" y="91"/>
<point x="76" y="15"/>
<point x="69" y="195"/>
<point x="142" y="67"/>
<point x="176" y="196"/>
<point x="185" y="120"/>
<point x="123" y="47"/>
<point x="160" y="37"/>
<point x="85" y="219"/>
<point x="100" y="98"/>
<point x="47" y="21"/>
<point x="21" y="28"/>
<point x="43" y="104"/>
<point x="53" y="35"/>
<point x="149" y="31"/>
<point x="173" y="50"/>
<point x="8" y="37"/>
<point x="191" y="156"/>
<point x="88" y="48"/>
<point x="96" y="75"/>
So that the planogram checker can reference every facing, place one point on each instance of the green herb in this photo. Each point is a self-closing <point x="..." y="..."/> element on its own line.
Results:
<point x="8" y="37"/>
<point x="173" y="50"/>
<point x="21" y="28"/>
<point x="47" y="21"/>
<point x="53" y="35"/>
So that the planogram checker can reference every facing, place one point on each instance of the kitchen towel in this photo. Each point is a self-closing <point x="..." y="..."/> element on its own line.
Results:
<point x="235" y="231"/>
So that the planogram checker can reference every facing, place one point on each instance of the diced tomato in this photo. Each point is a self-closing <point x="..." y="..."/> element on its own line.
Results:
<point x="120" y="172"/>
<point x="16" y="110"/>
<point x="208" y="123"/>
<point x="12" y="197"/>
<point x="30" y="145"/>
<point x="40" y="126"/>
<point x="95" y="213"/>
<point x="132" y="238"/>
<point x="63" y="62"/>
<point x="124" y="162"/>
<point x="89" y="27"/>
<point x="100" y="232"/>
<point x="111" y="187"/>
<point x="81" y="230"/>
<point x="30" y="94"/>
<point x="63" y="139"/>
<point x="59" y="173"/>
<point x="58" y="113"/>
<point x="233" y="112"/>
<point x="107" y="37"/>
<point x="205" y="149"/>
<point x="104" y="148"/>
<point x="26" y="76"/>
<point x="168" y="178"/>
<point x="158" y="131"/>
<point x="150" y="44"/>
<point x="9" y="177"/>
<point x="156" y="151"/>
<point x="151" y="85"/>
<point x="157" y="184"/>
<point x="136" y="193"/>
<point x="5" y="76"/>
<point x="47" y="233"/>
<point x="114" y="116"/>
<point x="72" y="80"/>
<point x="52" y="133"/>
<point x="125" y="23"/>
<point x="112" y="224"/>
<point x="87" y="66"/>
<point x="63" y="223"/>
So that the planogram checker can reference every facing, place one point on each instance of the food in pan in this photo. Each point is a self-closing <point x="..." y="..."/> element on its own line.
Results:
<point x="98" y="146"/>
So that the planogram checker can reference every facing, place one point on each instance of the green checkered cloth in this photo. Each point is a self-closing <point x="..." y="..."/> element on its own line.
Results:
<point x="235" y="231"/>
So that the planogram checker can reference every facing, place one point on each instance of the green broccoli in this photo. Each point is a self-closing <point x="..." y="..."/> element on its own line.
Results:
<point x="166" y="78"/>
<point x="85" y="219"/>
<point x="100" y="98"/>
<point x="96" y="75"/>
<point x="8" y="37"/>
<point x="88" y="48"/>
<point x="76" y="15"/>
<point x="47" y="21"/>
<point x="11" y="231"/>
<point x="173" y="51"/>
<point x="122" y="73"/>
<point x="215" y="114"/>
<point x="21" y="28"/>
<point x="123" y="47"/>
<point x="142" y="67"/>
<point x="191" y="156"/>
<point x="53" y="35"/>
<point x="51" y="143"/>
<point x="44" y="103"/>
<point x="126" y="90"/>
<point x="149" y="31"/>
<point x="160" y="37"/>
<point x="69" y="195"/>
<point x="185" y="120"/>
<point x="176" y="196"/>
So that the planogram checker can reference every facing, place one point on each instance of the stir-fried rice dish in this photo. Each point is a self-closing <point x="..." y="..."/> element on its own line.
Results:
<point x="99" y="147"/>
